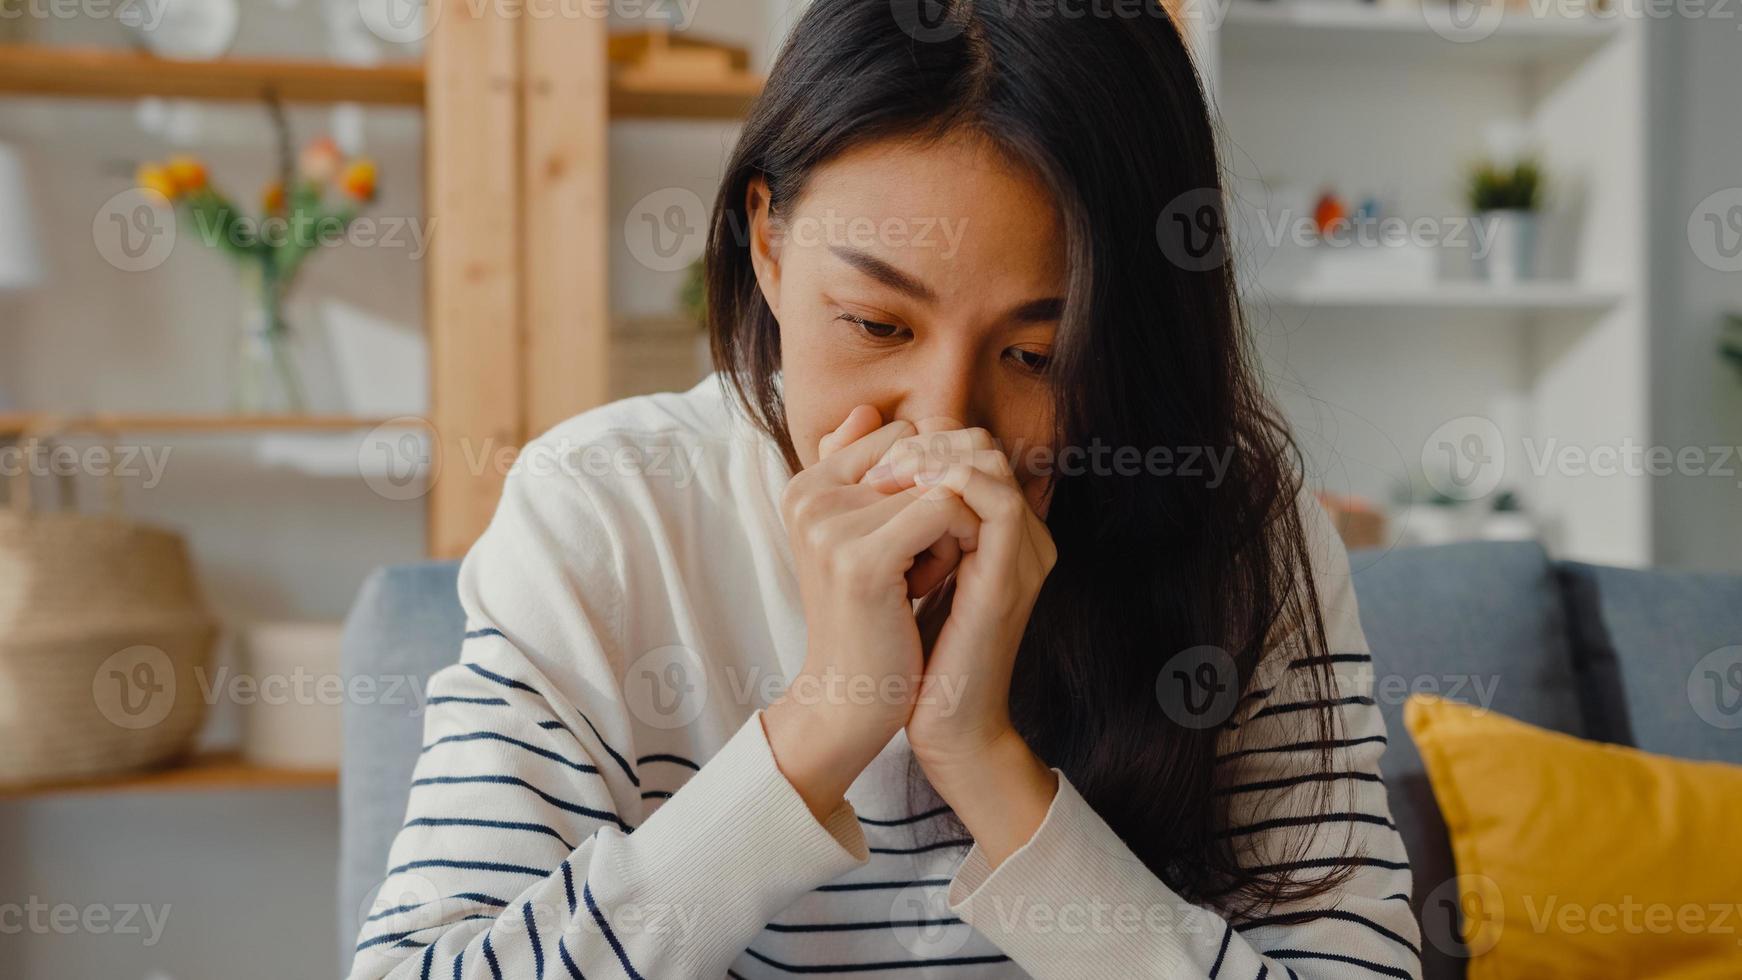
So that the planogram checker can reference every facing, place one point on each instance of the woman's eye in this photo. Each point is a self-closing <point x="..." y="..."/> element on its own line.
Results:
<point x="1032" y="361"/>
<point x="871" y="328"/>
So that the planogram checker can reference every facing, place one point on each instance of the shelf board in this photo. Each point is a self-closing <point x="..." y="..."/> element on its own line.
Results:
<point x="17" y="423"/>
<point x="1338" y="32"/>
<point x="204" y="772"/>
<point x="98" y="73"/>
<point x="119" y="74"/>
<point x="1533" y="297"/>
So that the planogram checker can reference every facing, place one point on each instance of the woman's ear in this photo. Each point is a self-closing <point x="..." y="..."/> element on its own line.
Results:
<point x="764" y="242"/>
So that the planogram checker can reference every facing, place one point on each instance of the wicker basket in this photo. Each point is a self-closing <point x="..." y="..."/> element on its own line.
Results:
<point x="103" y="642"/>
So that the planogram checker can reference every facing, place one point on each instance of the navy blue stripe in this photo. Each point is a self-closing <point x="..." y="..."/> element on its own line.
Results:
<point x="520" y="869"/>
<point x="1280" y="709"/>
<point x="490" y="957"/>
<point x="667" y="757"/>
<point x="1263" y="971"/>
<point x="465" y="896"/>
<point x="486" y="631"/>
<point x="537" y="947"/>
<point x="1310" y="777"/>
<point x="888" y="965"/>
<point x="398" y="937"/>
<point x="428" y="958"/>
<point x="867" y="886"/>
<point x="517" y="781"/>
<point x="915" y="818"/>
<point x="610" y="937"/>
<point x="1339" y="743"/>
<point x="1227" y="934"/>
<point x="568" y="962"/>
<point x="1333" y="658"/>
<point x="1379" y="968"/>
<point x="860" y="926"/>
<point x="1363" y="862"/>
<point x="517" y="743"/>
<point x="1395" y="895"/>
<point x="452" y="699"/>
<point x="628" y="770"/>
<point x="554" y="726"/>
<point x="458" y="959"/>
<point x="1295" y="918"/>
<point x="923" y="848"/>
<point x="569" y="885"/>
<point x="655" y="794"/>
<point x="536" y="828"/>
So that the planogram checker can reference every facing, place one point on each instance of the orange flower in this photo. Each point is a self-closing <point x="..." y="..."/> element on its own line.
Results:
<point x="320" y="160"/>
<point x="272" y="198"/>
<point x="155" y="178"/>
<point x="358" y="179"/>
<point x="188" y="173"/>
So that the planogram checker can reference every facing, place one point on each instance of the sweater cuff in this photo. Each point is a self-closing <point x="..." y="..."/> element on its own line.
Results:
<point x="1072" y="901"/>
<point x="734" y="846"/>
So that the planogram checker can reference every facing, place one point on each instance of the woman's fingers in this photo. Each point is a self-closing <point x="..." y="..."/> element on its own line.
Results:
<point x="903" y="469"/>
<point x="848" y="462"/>
<point x="861" y="421"/>
<point x="918" y="522"/>
<point x="995" y="499"/>
<point x="934" y="447"/>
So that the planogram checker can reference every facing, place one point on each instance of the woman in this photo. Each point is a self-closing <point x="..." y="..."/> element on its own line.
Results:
<point x="700" y="728"/>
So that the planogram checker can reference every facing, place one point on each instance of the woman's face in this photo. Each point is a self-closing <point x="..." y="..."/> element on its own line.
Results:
<point x="924" y="279"/>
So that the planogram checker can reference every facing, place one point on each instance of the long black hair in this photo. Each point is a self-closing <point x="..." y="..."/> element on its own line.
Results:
<point x="1106" y="108"/>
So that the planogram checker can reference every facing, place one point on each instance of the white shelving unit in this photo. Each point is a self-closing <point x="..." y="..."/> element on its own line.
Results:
<point x="1396" y="102"/>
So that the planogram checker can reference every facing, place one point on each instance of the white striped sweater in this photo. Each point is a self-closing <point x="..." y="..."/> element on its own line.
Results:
<point x="596" y="797"/>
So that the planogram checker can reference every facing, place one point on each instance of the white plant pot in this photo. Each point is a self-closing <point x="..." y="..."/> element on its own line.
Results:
<point x="1508" y="254"/>
<point x="291" y="719"/>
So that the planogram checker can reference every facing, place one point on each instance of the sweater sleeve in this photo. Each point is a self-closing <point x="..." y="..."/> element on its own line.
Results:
<point x="1074" y="901"/>
<point x="523" y="853"/>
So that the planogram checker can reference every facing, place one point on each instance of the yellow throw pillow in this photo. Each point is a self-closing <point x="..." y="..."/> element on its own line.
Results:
<point x="1579" y="859"/>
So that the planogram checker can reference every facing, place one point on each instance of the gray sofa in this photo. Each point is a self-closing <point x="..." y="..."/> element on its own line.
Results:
<point x="1604" y="653"/>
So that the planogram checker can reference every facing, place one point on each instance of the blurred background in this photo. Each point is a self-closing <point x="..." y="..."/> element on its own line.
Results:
<point x="284" y="282"/>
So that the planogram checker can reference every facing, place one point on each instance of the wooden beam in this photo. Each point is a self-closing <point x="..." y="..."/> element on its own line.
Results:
<point x="474" y="273"/>
<point x="566" y="227"/>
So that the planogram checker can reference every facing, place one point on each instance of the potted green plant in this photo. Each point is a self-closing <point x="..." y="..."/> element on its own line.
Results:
<point x="1507" y="201"/>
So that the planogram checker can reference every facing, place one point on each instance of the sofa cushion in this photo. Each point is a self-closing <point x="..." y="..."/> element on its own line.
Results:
<point x="1481" y="622"/>
<point x="404" y="626"/>
<point x="1675" y="641"/>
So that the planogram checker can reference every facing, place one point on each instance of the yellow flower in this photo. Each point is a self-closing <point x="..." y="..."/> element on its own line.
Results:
<point x="188" y="173"/>
<point x="358" y="179"/>
<point x="155" y="178"/>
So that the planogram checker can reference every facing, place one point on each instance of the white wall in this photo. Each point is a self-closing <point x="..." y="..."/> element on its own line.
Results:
<point x="1696" y="144"/>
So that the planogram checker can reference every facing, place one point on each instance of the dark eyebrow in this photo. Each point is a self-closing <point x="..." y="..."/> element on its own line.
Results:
<point x="885" y="273"/>
<point x="1032" y="311"/>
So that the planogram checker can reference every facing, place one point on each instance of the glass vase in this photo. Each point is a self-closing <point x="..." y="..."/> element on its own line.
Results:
<point x="267" y="378"/>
